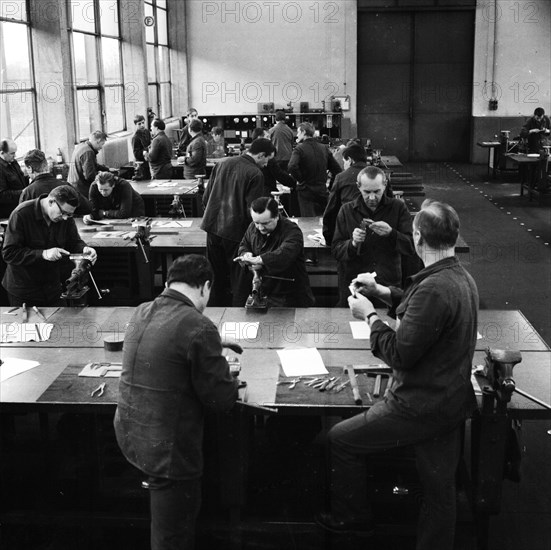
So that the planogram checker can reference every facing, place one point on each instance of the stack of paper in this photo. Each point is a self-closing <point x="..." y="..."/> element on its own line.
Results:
<point x="301" y="362"/>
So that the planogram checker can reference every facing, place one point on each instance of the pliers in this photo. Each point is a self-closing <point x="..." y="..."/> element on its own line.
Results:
<point x="99" y="391"/>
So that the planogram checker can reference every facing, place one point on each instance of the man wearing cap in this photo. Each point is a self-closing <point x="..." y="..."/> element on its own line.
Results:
<point x="42" y="180"/>
<point x="12" y="179"/>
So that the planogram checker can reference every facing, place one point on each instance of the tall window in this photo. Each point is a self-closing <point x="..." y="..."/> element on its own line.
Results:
<point x="17" y="87"/>
<point x="97" y="67"/>
<point x="158" y="63"/>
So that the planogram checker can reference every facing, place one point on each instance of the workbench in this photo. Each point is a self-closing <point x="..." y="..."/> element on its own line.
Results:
<point x="53" y="388"/>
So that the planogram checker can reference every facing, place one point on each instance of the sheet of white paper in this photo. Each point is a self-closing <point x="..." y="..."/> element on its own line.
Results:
<point x="239" y="331"/>
<point x="301" y="362"/>
<point x="12" y="367"/>
<point x="478" y="336"/>
<point x="476" y="385"/>
<point x="109" y="234"/>
<point x="360" y="330"/>
<point x="173" y="223"/>
<point x="25" y="332"/>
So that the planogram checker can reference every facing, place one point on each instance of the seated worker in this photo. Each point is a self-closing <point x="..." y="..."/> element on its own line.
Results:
<point x="12" y="179"/>
<point x="112" y="197"/>
<point x="345" y="187"/>
<point x="173" y="373"/>
<point x="273" y="246"/>
<point x="40" y="234"/>
<point x="141" y="140"/>
<point x="84" y="167"/>
<point x="42" y="180"/>
<point x="195" y="159"/>
<point x="272" y="172"/>
<point x="216" y="147"/>
<point x="431" y="355"/>
<point x="536" y="131"/>
<point x="159" y="154"/>
<point x="191" y="114"/>
<point x="378" y="247"/>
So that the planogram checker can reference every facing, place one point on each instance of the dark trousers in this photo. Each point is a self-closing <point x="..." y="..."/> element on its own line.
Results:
<point x="311" y="204"/>
<point x="174" y="508"/>
<point x="220" y="254"/>
<point x="437" y="451"/>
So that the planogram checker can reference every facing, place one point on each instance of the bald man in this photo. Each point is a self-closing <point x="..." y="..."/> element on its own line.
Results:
<point x="12" y="179"/>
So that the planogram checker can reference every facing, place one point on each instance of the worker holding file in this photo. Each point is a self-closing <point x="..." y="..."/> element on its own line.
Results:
<point x="430" y="352"/>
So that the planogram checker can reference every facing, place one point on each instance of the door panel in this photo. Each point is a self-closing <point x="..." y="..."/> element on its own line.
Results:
<point x="415" y="82"/>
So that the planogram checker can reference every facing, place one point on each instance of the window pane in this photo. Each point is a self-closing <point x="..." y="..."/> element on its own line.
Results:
<point x="164" y="64"/>
<point x="110" y="54"/>
<point x="109" y="17"/>
<point x="151" y="63"/>
<point x="166" y="103"/>
<point x="153" y="100"/>
<point x="15" y="52"/>
<point x="85" y="59"/>
<point x="17" y="120"/>
<point x="149" y="31"/>
<point x="89" y="113"/>
<point x="14" y="9"/>
<point x="82" y="15"/>
<point x="162" y="28"/>
<point x="161" y="4"/>
<point x="114" y="109"/>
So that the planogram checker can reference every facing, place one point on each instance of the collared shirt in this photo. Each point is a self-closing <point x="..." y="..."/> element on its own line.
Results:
<point x="377" y="253"/>
<point x="234" y="184"/>
<point x="173" y="371"/>
<point x="282" y="253"/>
<point x="28" y="234"/>
<point x="432" y="349"/>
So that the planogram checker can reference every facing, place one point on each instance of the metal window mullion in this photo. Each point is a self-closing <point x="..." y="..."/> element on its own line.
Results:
<point x="33" y="78"/>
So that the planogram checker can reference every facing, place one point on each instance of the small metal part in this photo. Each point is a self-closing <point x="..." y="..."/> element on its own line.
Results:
<point x="98" y="392"/>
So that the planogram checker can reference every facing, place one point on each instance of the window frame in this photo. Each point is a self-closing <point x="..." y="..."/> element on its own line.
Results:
<point x="32" y="78"/>
<point x="101" y="87"/>
<point x="158" y="83"/>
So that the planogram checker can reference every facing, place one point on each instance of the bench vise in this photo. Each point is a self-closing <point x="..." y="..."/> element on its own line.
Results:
<point x="257" y="299"/>
<point x="76" y="286"/>
<point x="498" y="370"/>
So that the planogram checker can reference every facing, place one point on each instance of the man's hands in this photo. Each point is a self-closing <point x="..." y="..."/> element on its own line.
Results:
<point x="54" y="254"/>
<point x="247" y="259"/>
<point x="90" y="253"/>
<point x="360" y="306"/>
<point x="379" y="228"/>
<point x="87" y="219"/>
<point x="364" y="283"/>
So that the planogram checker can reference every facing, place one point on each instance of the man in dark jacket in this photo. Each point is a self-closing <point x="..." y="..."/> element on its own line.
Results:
<point x="431" y="353"/>
<point x="173" y="372"/>
<point x="141" y="140"/>
<point x="379" y="245"/>
<point x="195" y="159"/>
<point x="283" y="139"/>
<point x="234" y="184"/>
<point x="309" y="164"/>
<point x="112" y="197"/>
<point x="84" y="167"/>
<point x="160" y="152"/>
<point x="345" y="187"/>
<point x="12" y="179"/>
<point x="42" y="180"/>
<point x="41" y="233"/>
<point x="191" y="114"/>
<point x="273" y="246"/>
<point x="537" y="130"/>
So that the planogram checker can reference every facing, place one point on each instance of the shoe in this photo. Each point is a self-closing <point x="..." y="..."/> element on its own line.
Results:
<point x="326" y="521"/>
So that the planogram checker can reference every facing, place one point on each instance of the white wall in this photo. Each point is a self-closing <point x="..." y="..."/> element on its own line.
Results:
<point x="244" y="53"/>
<point x="522" y="57"/>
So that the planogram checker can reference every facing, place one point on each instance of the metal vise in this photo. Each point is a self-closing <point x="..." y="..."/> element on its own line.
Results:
<point x="76" y="286"/>
<point x="498" y="369"/>
<point x="257" y="300"/>
<point x="143" y="230"/>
